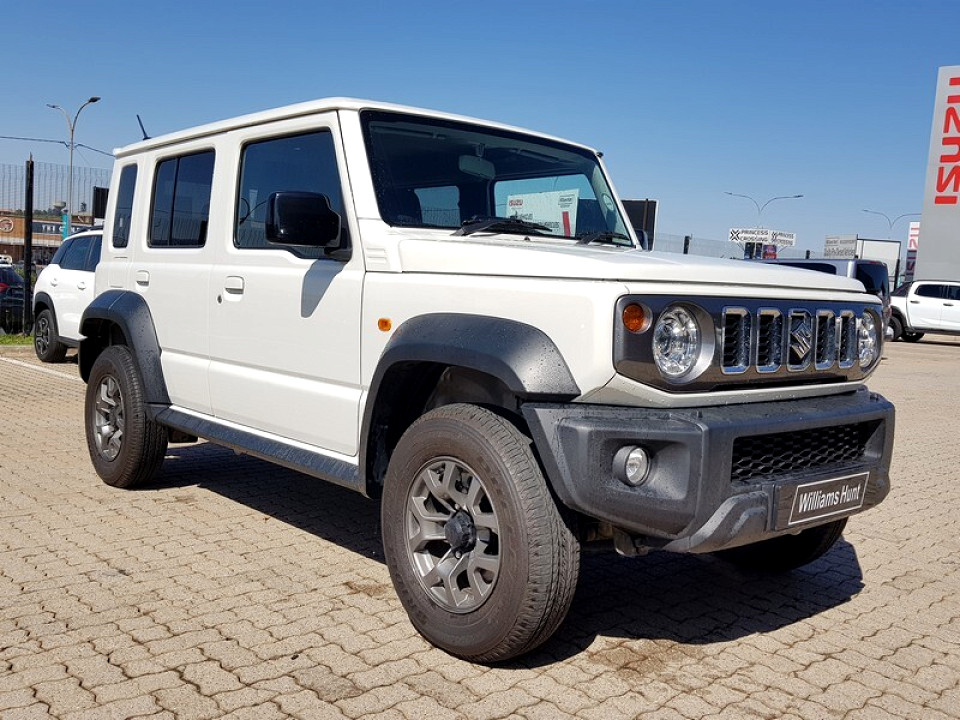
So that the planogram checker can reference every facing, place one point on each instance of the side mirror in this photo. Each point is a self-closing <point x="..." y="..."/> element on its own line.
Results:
<point x="302" y="218"/>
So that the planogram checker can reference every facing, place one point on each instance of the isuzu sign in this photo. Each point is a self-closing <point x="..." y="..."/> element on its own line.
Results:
<point x="940" y="258"/>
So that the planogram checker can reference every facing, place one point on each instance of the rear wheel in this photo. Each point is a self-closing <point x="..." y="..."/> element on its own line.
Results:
<point x="786" y="552"/>
<point x="911" y="336"/>
<point x="896" y="327"/>
<point x="126" y="447"/>
<point x="46" y="342"/>
<point x="479" y="554"/>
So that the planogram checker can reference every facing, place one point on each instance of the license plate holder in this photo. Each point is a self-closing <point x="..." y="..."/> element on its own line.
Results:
<point x="821" y="499"/>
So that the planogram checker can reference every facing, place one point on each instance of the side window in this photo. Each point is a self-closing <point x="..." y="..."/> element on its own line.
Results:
<point x="61" y="251"/>
<point x="75" y="258"/>
<point x="301" y="163"/>
<point x="929" y="290"/>
<point x="93" y="257"/>
<point x="124" y="212"/>
<point x="953" y="292"/>
<point x="181" y="201"/>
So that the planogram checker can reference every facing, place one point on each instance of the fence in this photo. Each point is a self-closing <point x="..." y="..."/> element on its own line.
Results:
<point x="666" y="242"/>
<point x="51" y="184"/>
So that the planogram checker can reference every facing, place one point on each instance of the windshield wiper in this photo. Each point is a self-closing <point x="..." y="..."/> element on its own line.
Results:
<point x="499" y="224"/>
<point x="603" y="236"/>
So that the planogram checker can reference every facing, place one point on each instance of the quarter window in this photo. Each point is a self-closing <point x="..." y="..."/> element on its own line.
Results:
<point x="297" y="163"/>
<point x="124" y="210"/>
<point x="181" y="201"/>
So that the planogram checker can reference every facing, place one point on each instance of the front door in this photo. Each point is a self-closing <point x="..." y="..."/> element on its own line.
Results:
<point x="285" y="321"/>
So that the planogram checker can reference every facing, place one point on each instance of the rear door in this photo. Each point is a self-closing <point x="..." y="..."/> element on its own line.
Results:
<point x="950" y="316"/>
<point x="925" y="305"/>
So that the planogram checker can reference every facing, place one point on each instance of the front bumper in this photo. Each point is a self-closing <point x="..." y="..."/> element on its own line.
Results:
<point x="720" y="476"/>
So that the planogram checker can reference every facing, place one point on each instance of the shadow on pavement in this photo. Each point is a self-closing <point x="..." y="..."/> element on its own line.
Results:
<point x="686" y="600"/>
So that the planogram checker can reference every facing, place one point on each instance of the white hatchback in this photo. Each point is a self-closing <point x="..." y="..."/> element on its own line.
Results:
<point x="63" y="291"/>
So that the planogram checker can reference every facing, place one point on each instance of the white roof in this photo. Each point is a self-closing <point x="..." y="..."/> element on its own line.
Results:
<point x="309" y="108"/>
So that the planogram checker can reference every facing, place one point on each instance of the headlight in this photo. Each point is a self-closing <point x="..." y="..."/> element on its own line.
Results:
<point x="676" y="342"/>
<point x="868" y="339"/>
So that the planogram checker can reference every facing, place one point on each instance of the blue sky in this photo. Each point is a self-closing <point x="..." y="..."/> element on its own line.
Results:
<point x="687" y="100"/>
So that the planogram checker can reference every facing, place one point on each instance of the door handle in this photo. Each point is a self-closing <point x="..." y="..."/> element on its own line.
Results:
<point x="143" y="277"/>
<point x="233" y="285"/>
<point x="948" y="304"/>
<point x="914" y="302"/>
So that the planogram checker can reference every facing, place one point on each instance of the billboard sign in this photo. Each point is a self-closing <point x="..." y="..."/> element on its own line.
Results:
<point x="941" y="197"/>
<point x="913" y="247"/>
<point x="840" y="247"/>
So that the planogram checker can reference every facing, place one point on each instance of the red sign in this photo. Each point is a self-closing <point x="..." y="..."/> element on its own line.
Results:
<point x="948" y="171"/>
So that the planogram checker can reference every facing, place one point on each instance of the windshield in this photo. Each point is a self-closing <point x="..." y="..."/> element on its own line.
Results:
<point x="443" y="174"/>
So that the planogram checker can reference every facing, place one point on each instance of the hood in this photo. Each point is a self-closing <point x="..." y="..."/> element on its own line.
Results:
<point x="518" y="257"/>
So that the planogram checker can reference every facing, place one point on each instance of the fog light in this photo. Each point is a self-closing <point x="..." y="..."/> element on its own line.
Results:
<point x="632" y="465"/>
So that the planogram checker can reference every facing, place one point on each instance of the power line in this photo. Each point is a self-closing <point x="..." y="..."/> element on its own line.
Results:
<point x="56" y="142"/>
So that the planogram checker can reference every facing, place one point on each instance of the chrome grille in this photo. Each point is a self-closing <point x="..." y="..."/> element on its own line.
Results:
<point x="771" y="340"/>
<point x="765" y="456"/>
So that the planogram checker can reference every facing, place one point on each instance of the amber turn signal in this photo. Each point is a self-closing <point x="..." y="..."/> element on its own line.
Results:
<point x="384" y="324"/>
<point x="636" y="318"/>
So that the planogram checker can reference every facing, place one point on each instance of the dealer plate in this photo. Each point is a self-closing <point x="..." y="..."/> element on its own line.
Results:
<point x="825" y="498"/>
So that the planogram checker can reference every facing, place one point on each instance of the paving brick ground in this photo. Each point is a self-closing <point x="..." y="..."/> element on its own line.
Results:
<point x="233" y="588"/>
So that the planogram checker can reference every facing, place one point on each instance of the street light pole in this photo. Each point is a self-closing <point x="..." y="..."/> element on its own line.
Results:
<point x="758" y="205"/>
<point x="761" y="207"/>
<point x="71" y="127"/>
<point x="891" y="223"/>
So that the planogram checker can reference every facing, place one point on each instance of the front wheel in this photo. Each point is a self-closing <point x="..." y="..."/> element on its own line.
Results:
<point x="786" y="552"/>
<point x="479" y="554"/>
<point x="125" y="445"/>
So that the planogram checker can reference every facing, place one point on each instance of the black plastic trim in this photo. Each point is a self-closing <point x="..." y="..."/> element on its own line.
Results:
<point x="688" y="503"/>
<point x="129" y="312"/>
<point x="521" y="356"/>
<point x="311" y="463"/>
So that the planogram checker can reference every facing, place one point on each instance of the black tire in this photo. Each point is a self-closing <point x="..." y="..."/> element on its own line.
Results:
<point x="786" y="552"/>
<point x="896" y="327"/>
<point x="46" y="341"/>
<point x="126" y="447"/>
<point x="911" y="336"/>
<point x="509" y="590"/>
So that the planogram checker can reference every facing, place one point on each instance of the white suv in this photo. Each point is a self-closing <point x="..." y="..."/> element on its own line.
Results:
<point x="454" y="316"/>
<point x="64" y="289"/>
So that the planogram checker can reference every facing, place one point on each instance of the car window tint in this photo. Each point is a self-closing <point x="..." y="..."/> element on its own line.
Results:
<point x="123" y="214"/>
<point x="9" y="276"/>
<point x="874" y="278"/>
<point x="61" y="251"/>
<point x="298" y="163"/>
<point x="181" y="201"/>
<point x="953" y="292"/>
<point x="93" y="256"/>
<point x="76" y="256"/>
<point x="930" y="290"/>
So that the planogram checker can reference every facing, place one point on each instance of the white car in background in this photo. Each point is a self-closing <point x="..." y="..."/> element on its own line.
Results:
<point x="64" y="289"/>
